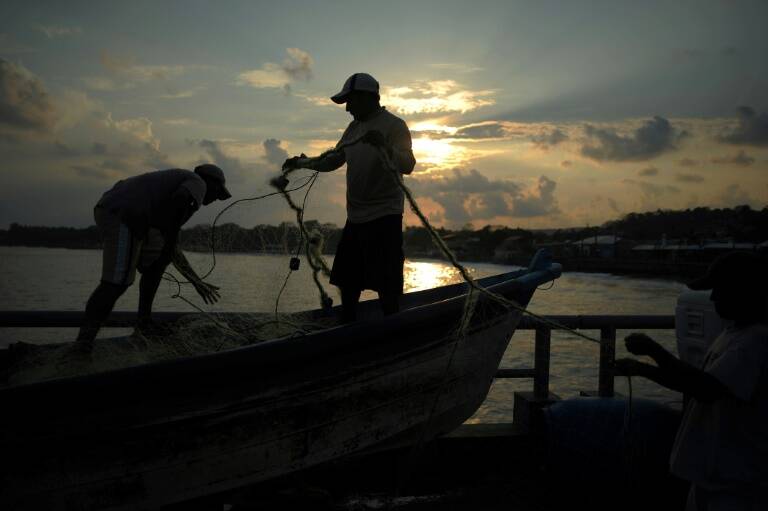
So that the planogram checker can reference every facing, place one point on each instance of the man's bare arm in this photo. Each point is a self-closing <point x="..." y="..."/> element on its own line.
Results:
<point x="208" y="292"/>
<point x="402" y="148"/>
<point x="670" y="371"/>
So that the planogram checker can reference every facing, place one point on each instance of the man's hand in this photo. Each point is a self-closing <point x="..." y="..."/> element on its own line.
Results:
<point x="375" y="138"/>
<point x="294" y="163"/>
<point x="208" y="292"/>
<point x="627" y="367"/>
<point x="641" y="344"/>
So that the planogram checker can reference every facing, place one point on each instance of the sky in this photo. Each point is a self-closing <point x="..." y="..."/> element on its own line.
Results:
<point x="523" y="114"/>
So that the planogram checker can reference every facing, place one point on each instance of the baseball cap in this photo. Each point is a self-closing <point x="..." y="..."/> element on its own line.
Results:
<point x="358" y="81"/>
<point x="214" y="174"/>
<point x="745" y="268"/>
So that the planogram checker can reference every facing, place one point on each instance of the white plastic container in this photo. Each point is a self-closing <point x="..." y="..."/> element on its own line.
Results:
<point x="697" y="325"/>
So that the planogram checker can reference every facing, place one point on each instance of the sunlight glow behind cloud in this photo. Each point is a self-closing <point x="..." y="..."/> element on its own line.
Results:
<point x="440" y="96"/>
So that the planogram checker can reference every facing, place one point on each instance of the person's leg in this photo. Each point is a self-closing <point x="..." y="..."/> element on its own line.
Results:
<point x="390" y="301"/>
<point x="349" y="300"/>
<point x="391" y="263"/>
<point x="99" y="305"/>
<point x="151" y="275"/>
<point x="117" y="273"/>
<point x="150" y="281"/>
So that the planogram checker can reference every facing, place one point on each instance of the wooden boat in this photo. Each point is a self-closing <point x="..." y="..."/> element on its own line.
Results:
<point x="146" y="436"/>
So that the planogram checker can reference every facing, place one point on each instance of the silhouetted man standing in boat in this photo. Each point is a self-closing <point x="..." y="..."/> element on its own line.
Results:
<point x="139" y="220"/>
<point x="722" y="443"/>
<point x="370" y="253"/>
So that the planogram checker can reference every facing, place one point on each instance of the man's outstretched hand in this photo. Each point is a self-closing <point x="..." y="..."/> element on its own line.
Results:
<point x="208" y="292"/>
<point x="294" y="163"/>
<point x="641" y="344"/>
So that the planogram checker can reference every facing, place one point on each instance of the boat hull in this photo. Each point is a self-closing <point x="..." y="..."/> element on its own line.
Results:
<point x="149" y="436"/>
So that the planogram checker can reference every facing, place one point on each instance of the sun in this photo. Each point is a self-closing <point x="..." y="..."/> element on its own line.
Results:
<point x="439" y="154"/>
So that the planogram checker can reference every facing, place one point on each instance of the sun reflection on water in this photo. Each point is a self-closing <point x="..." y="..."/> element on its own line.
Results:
<point x="426" y="275"/>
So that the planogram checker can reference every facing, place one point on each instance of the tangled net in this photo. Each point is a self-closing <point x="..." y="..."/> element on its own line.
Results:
<point x="190" y="335"/>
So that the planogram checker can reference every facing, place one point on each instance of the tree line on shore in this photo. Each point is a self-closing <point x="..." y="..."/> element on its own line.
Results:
<point x="741" y="223"/>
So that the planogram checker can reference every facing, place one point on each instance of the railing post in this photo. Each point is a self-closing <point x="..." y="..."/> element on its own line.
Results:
<point x="541" y="362"/>
<point x="607" y="360"/>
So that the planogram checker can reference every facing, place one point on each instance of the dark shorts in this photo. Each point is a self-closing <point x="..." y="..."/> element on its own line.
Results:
<point x="370" y="256"/>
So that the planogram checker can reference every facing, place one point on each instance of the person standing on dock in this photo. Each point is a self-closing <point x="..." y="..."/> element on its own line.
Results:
<point x="370" y="253"/>
<point x="139" y="220"/>
<point x="722" y="443"/>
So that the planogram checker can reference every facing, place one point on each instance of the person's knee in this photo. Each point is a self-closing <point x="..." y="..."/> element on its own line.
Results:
<point x="111" y="289"/>
<point x="153" y="271"/>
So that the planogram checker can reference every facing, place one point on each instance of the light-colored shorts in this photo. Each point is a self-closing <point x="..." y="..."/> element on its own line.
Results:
<point x="123" y="252"/>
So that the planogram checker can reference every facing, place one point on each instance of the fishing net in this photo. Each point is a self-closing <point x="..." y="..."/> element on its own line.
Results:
<point x="190" y="335"/>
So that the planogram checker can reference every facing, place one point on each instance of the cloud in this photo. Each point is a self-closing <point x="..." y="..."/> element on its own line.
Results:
<point x="655" y="137"/>
<point x="174" y="93"/>
<point x="9" y="46"/>
<point x="460" y="192"/>
<point x="687" y="162"/>
<point x="230" y="165"/>
<point x="546" y="140"/>
<point x="539" y="201"/>
<point x="602" y="202"/>
<point x="456" y="67"/>
<point x="488" y="129"/>
<point x="470" y="195"/>
<point x="689" y="178"/>
<point x="126" y="73"/>
<point x="298" y="65"/>
<point x="741" y="159"/>
<point x="752" y="129"/>
<point x="140" y="127"/>
<point x="98" y="148"/>
<point x="25" y="106"/>
<point x="63" y="150"/>
<point x="652" y="190"/>
<point x="437" y="96"/>
<point x="180" y="121"/>
<point x="648" y="171"/>
<point x="273" y="153"/>
<point x="734" y="195"/>
<point x="54" y="31"/>
<point x="90" y="172"/>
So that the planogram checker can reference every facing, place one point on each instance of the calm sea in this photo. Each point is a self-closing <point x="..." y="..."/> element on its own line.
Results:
<point x="60" y="279"/>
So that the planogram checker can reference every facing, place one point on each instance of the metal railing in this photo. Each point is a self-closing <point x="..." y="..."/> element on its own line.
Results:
<point x="606" y="324"/>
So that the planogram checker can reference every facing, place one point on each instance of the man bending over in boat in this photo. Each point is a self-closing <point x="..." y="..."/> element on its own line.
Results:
<point x="370" y="253"/>
<point x="722" y="442"/>
<point x="139" y="220"/>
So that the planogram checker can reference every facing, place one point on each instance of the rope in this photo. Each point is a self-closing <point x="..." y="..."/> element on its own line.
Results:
<point x="313" y="244"/>
<point x="298" y="247"/>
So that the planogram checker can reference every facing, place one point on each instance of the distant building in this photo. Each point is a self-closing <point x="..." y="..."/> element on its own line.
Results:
<point x="682" y="250"/>
<point x="604" y="246"/>
<point x="512" y="248"/>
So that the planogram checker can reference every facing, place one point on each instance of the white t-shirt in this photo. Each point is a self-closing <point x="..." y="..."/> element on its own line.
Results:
<point x="725" y="443"/>
<point x="372" y="189"/>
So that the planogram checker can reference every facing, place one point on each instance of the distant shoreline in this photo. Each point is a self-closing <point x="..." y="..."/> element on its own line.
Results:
<point x="642" y="269"/>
